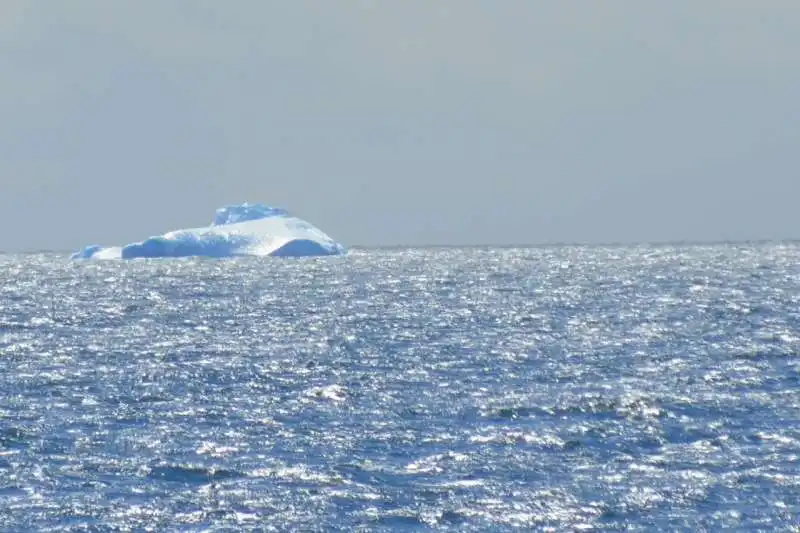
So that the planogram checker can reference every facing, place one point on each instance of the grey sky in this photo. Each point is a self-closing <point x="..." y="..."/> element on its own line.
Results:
<point x="413" y="122"/>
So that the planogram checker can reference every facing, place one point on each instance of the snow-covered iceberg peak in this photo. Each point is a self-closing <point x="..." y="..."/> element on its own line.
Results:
<point x="241" y="229"/>
<point x="231" y="214"/>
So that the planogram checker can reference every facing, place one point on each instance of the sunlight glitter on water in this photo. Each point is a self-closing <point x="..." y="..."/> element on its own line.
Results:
<point x="650" y="388"/>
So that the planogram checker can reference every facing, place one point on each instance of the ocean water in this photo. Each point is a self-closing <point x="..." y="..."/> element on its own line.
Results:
<point x="649" y="388"/>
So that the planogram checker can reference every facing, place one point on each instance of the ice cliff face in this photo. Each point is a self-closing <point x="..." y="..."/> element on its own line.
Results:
<point x="242" y="229"/>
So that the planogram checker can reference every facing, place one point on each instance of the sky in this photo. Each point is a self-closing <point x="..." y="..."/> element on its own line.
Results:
<point x="401" y="123"/>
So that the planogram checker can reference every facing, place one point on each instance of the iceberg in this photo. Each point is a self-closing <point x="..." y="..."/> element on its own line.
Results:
<point x="237" y="230"/>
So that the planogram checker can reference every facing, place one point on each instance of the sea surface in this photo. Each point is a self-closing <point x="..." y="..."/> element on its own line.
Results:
<point x="647" y="388"/>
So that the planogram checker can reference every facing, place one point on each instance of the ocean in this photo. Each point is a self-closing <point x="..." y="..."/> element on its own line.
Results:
<point x="640" y="388"/>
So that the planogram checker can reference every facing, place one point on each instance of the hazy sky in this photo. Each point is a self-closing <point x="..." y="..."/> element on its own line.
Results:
<point x="401" y="122"/>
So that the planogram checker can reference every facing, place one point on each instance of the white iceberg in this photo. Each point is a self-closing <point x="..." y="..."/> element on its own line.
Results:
<point x="243" y="229"/>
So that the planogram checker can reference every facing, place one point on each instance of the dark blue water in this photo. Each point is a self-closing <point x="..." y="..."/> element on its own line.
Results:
<point x="641" y="388"/>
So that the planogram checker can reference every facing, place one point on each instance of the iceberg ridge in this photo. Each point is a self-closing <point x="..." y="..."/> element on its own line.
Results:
<point x="240" y="229"/>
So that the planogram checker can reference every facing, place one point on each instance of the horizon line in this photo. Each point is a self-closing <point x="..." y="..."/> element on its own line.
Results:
<point x="554" y="244"/>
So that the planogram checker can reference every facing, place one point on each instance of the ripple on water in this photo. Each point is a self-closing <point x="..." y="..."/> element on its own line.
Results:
<point x="649" y="387"/>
